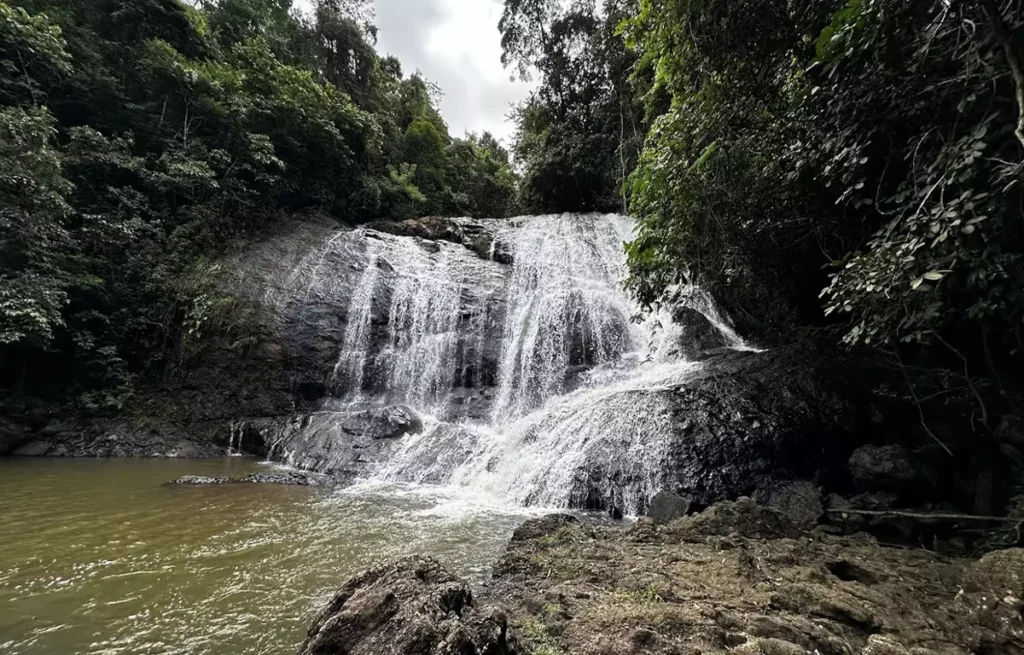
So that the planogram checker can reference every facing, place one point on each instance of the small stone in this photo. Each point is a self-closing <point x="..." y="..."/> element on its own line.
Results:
<point x="884" y="645"/>
<point x="643" y="637"/>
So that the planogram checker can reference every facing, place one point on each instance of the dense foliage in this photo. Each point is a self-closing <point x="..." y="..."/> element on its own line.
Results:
<point x="578" y="136"/>
<point x="852" y="166"/>
<point x="140" y="138"/>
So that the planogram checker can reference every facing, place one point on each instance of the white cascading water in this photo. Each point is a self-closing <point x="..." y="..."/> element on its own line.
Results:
<point x="574" y="370"/>
<point x="352" y="360"/>
<point x="566" y="306"/>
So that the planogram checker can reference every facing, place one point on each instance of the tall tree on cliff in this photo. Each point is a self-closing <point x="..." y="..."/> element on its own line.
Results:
<point x="580" y="133"/>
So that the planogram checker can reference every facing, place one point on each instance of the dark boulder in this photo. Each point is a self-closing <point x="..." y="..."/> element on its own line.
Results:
<point x="890" y="468"/>
<point x="666" y="507"/>
<point x="546" y="525"/>
<point x="801" y="501"/>
<point x="742" y="517"/>
<point x="409" y="607"/>
<point x="698" y="336"/>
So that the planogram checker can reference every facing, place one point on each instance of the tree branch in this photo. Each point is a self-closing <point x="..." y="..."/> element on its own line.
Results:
<point x="1005" y="39"/>
<point x="923" y="515"/>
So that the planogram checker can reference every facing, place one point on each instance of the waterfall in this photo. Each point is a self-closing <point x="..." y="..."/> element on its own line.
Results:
<point x="567" y="310"/>
<point x="536" y="382"/>
<point x="351" y="360"/>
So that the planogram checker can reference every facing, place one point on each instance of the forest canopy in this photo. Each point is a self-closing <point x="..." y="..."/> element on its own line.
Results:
<point x="139" y="139"/>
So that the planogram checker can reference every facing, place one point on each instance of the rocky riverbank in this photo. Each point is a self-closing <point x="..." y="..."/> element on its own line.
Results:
<point x="738" y="578"/>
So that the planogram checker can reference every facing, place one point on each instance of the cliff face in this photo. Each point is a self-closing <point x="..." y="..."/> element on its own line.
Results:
<point x="341" y="348"/>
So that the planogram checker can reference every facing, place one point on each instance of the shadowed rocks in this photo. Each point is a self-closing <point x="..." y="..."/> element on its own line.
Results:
<point x="413" y="607"/>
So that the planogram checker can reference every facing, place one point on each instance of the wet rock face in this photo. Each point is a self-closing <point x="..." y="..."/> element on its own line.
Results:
<point x="413" y="607"/>
<point x="743" y="422"/>
<point x="342" y="444"/>
<point x="698" y="337"/>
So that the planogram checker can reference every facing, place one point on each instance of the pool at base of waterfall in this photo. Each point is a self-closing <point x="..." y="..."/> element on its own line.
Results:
<point x="103" y="557"/>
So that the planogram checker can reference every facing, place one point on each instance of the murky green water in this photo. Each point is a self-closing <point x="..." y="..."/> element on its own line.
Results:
<point x="100" y="556"/>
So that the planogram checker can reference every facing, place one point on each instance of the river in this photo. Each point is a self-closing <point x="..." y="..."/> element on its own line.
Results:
<point x="103" y="557"/>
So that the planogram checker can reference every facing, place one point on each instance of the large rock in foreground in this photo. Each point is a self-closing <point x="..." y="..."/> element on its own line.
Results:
<point x="410" y="607"/>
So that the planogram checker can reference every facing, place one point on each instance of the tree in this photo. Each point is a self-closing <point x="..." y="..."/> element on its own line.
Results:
<point x="34" y="242"/>
<point x="863" y="153"/>
<point x="579" y="135"/>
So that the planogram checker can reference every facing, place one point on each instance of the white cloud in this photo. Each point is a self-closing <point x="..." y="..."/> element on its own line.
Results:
<point x="456" y="44"/>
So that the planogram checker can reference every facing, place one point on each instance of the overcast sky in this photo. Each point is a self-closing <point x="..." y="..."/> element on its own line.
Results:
<point x="454" y="43"/>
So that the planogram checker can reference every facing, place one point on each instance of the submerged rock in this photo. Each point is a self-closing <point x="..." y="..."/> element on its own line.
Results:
<point x="409" y="607"/>
<point x="200" y="480"/>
